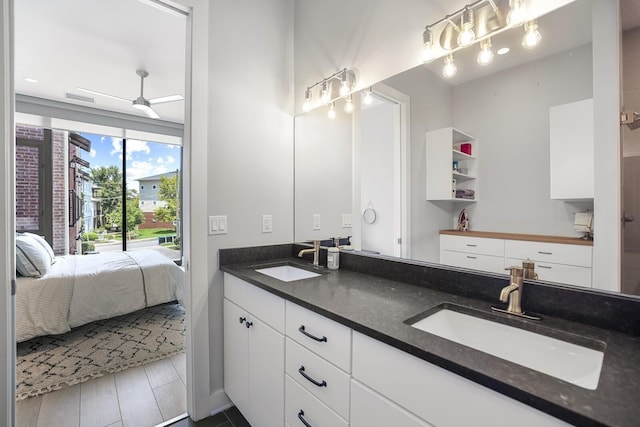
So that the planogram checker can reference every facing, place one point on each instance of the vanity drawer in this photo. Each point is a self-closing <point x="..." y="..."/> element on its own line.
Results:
<point x="323" y="336"/>
<point x="474" y="245"/>
<point x="299" y="402"/>
<point x="334" y="392"/>
<point x="556" y="253"/>
<point x="561" y="273"/>
<point x="264" y="305"/>
<point x="494" y="264"/>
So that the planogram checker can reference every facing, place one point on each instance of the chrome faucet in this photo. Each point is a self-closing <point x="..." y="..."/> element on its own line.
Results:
<point x="315" y="250"/>
<point x="512" y="294"/>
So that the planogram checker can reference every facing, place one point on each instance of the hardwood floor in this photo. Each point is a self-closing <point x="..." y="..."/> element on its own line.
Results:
<point x="137" y="397"/>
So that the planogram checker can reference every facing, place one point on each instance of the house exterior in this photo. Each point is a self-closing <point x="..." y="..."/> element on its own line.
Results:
<point x="149" y="192"/>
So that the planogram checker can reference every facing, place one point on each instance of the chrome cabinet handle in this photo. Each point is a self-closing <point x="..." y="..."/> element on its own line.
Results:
<point x="308" y="378"/>
<point x="301" y="418"/>
<point x="545" y="266"/>
<point x="302" y="331"/>
<point x="545" y="253"/>
<point x="472" y="257"/>
<point x="472" y="246"/>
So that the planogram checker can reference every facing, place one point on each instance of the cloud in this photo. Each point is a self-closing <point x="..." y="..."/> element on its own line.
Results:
<point x="133" y="146"/>
<point x="170" y="159"/>
<point x="102" y="138"/>
<point x="160" y="160"/>
<point x="116" y="143"/>
<point x="92" y="153"/>
<point x="141" y="169"/>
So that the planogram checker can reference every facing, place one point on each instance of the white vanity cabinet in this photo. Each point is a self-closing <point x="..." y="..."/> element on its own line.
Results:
<point x="254" y="352"/>
<point x="435" y="395"/>
<point x="476" y="253"/>
<point x="571" y="150"/>
<point x="318" y="369"/>
<point x="443" y="148"/>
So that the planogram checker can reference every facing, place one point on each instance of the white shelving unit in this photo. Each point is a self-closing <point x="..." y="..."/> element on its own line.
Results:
<point x="443" y="148"/>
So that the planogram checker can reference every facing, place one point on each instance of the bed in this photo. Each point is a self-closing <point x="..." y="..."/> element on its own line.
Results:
<point x="78" y="289"/>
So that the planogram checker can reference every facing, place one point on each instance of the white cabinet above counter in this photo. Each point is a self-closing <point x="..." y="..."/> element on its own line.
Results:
<point x="558" y="259"/>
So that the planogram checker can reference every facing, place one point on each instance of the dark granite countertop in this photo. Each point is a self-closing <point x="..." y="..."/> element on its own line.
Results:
<point x="379" y="307"/>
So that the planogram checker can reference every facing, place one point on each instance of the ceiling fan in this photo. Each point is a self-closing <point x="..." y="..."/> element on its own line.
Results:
<point x="140" y="103"/>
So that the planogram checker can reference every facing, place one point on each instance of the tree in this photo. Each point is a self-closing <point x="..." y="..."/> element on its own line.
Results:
<point x="135" y="216"/>
<point x="109" y="182"/>
<point x="168" y="193"/>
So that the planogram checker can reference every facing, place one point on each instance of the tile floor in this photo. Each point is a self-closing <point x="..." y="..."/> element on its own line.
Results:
<point x="143" y="396"/>
<point x="229" y="418"/>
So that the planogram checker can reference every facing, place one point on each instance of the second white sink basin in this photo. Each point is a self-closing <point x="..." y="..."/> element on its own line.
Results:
<point x="564" y="360"/>
<point x="287" y="273"/>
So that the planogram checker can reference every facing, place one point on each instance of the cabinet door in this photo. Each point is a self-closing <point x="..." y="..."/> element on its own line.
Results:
<point x="472" y="261"/>
<point x="266" y="375"/>
<point x="368" y="409"/>
<point x="236" y="356"/>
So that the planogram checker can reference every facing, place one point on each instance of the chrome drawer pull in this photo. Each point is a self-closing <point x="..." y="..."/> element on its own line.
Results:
<point x="301" y="418"/>
<point x="472" y="257"/>
<point x="545" y="266"/>
<point x="545" y="253"/>
<point x="472" y="246"/>
<point x="308" y="378"/>
<point x="301" y="329"/>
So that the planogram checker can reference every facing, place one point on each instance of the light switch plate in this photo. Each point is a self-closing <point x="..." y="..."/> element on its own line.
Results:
<point x="346" y="220"/>
<point x="267" y="223"/>
<point x="217" y="224"/>
<point x="316" y="221"/>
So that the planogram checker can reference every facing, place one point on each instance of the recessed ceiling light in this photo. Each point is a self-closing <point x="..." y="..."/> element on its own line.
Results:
<point x="503" y="51"/>
<point x="30" y="80"/>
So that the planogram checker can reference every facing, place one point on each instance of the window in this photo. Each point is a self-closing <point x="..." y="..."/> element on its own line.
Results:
<point x="141" y="187"/>
<point x="154" y="187"/>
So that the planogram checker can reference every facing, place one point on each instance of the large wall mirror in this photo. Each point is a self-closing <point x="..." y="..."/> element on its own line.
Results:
<point x="374" y="159"/>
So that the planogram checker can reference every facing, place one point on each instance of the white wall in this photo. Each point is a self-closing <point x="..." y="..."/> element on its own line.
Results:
<point x="322" y="174"/>
<point x="7" y="269"/>
<point x="377" y="176"/>
<point x="508" y="112"/>
<point x="246" y="168"/>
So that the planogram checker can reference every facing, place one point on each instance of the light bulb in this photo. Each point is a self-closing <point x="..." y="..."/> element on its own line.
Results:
<point x="428" y="51"/>
<point x="368" y="97"/>
<point x="332" y="111"/>
<point x="348" y="106"/>
<point x="466" y="35"/>
<point x="325" y="95"/>
<point x="517" y="14"/>
<point x="485" y="56"/>
<point x="344" y="86"/>
<point x="306" y="107"/>
<point x="532" y="36"/>
<point x="449" y="70"/>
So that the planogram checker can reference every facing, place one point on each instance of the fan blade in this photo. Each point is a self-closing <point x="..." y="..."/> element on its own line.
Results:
<point x="169" y="98"/>
<point x="103" y="94"/>
<point x="151" y="113"/>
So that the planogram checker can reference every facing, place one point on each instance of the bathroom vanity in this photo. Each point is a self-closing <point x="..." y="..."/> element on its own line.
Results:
<point x="338" y="348"/>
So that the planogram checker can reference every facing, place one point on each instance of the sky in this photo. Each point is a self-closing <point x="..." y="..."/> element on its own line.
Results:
<point x="143" y="158"/>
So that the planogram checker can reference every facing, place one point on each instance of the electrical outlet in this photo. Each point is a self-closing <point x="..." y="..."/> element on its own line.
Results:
<point x="267" y="223"/>
<point x="316" y="221"/>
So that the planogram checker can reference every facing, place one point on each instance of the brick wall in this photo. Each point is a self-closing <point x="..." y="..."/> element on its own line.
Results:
<point x="29" y="132"/>
<point x="59" y="171"/>
<point x="148" y="222"/>
<point x="27" y="194"/>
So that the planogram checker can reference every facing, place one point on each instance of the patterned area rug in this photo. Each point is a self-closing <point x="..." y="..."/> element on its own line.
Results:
<point x="98" y="348"/>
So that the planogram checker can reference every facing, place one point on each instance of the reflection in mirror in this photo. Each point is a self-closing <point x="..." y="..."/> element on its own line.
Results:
<point x="505" y="106"/>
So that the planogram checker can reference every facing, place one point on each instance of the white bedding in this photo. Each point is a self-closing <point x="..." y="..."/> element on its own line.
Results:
<point x="79" y="289"/>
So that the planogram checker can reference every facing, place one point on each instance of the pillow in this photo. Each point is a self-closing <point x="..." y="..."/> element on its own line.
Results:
<point x="41" y="240"/>
<point x="32" y="259"/>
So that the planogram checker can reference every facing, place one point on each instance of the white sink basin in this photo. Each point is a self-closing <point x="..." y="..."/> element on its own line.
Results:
<point x="287" y="273"/>
<point x="569" y="362"/>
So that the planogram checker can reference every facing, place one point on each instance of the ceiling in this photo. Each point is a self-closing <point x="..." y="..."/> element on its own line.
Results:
<point x="99" y="45"/>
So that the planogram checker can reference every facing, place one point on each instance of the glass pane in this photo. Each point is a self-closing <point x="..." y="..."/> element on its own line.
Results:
<point x="153" y="173"/>
<point x="27" y="188"/>
<point x="100" y="187"/>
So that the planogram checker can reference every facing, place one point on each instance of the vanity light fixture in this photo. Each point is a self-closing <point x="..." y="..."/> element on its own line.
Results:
<point x="466" y="34"/>
<point x="428" y="51"/>
<point x="327" y="95"/>
<point x="485" y="56"/>
<point x="368" y="96"/>
<point x="532" y="36"/>
<point x="449" y="70"/>
<point x="348" y="106"/>
<point x="517" y="13"/>
<point x="306" y="107"/>
<point x="332" y="110"/>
